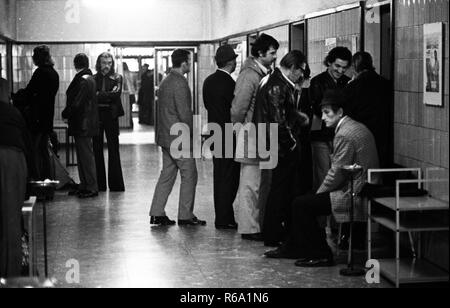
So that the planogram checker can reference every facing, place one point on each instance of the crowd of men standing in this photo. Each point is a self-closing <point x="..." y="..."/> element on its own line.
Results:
<point x="338" y="120"/>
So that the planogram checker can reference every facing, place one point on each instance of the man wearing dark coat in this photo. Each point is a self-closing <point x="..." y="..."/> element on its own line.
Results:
<point x="369" y="99"/>
<point x="218" y="94"/>
<point x="109" y="90"/>
<point x="40" y="95"/>
<point x="82" y="114"/>
<point x="15" y="146"/>
<point x="276" y="102"/>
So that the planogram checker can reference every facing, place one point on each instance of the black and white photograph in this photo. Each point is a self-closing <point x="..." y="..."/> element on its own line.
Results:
<point x="433" y="63"/>
<point x="224" y="152"/>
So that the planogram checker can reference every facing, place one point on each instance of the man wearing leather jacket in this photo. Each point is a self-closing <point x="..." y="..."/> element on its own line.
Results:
<point x="276" y="102"/>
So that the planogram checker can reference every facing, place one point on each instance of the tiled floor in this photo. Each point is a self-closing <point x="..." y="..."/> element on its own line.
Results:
<point x="115" y="246"/>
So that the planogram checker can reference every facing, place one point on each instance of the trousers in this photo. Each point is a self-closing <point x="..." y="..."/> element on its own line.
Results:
<point x="321" y="159"/>
<point x="250" y="202"/>
<point x="109" y="126"/>
<point x="226" y="183"/>
<point x="167" y="178"/>
<point x="307" y="238"/>
<point x="86" y="164"/>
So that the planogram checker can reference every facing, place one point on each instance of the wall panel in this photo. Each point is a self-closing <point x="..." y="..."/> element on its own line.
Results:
<point x="421" y="131"/>
<point x="325" y="27"/>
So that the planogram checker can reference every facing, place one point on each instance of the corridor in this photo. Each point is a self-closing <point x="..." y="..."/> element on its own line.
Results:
<point x="111" y="238"/>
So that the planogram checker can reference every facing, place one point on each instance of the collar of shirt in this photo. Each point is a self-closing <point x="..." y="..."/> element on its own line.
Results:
<point x="219" y="69"/>
<point x="262" y="67"/>
<point x="288" y="80"/>
<point x="340" y="123"/>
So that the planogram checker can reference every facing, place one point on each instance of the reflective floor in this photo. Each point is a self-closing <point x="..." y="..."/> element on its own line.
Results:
<point x="111" y="239"/>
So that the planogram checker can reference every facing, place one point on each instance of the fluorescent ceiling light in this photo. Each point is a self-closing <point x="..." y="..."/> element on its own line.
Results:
<point x="136" y="4"/>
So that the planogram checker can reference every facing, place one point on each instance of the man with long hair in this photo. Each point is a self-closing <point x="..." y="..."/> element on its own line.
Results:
<point x="40" y="95"/>
<point x="109" y="90"/>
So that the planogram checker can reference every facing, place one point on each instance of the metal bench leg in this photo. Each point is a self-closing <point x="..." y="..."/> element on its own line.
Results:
<point x="411" y="242"/>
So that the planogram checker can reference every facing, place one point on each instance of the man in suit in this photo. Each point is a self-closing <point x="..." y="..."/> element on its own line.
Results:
<point x="218" y="93"/>
<point x="40" y="94"/>
<point x="109" y="90"/>
<point x="82" y="114"/>
<point x="174" y="107"/>
<point x="353" y="144"/>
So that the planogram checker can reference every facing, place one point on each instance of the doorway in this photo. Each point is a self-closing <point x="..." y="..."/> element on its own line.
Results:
<point x="298" y="37"/>
<point x="378" y="38"/>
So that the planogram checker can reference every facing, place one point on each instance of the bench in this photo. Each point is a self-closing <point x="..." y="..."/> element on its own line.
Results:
<point x="408" y="214"/>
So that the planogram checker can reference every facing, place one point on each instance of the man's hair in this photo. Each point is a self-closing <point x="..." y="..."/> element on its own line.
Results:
<point x="294" y="58"/>
<point x="339" y="52"/>
<point x="179" y="56"/>
<point x="307" y="72"/>
<point x="41" y="56"/>
<point x="263" y="44"/>
<point x="81" y="61"/>
<point x="362" y="61"/>
<point x="98" y="65"/>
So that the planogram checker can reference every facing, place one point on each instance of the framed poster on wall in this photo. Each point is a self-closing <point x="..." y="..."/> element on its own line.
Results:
<point x="433" y="64"/>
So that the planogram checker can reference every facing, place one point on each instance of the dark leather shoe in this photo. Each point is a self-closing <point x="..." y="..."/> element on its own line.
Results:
<point x="191" y="222"/>
<point x="272" y="244"/>
<point x="74" y="192"/>
<point x="227" y="226"/>
<point x="117" y="189"/>
<point x="161" y="220"/>
<point x="253" y="237"/>
<point x="311" y="262"/>
<point x="88" y="194"/>
<point x="280" y="253"/>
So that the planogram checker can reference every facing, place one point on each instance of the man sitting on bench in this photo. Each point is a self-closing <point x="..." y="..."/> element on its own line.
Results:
<point x="353" y="144"/>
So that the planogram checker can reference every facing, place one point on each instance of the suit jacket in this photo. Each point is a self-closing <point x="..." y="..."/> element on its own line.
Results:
<point x="81" y="109"/>
<point x="40" y="95"/>
<point x="174" y="106"/>
<point x="218" y="93"/>
<point x="110" y="97"/>
<point x="353" y="144"/>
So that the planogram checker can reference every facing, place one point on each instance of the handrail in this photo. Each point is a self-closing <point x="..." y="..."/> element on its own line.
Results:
<point x="392" y="170"/>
